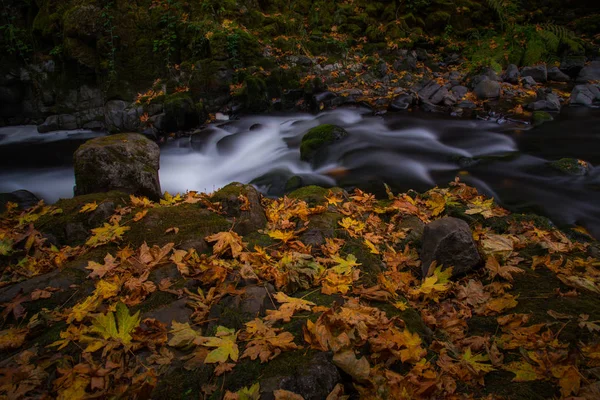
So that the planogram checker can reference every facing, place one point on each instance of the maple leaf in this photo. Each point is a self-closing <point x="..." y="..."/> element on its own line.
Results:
<point x="226" y="241"/>
<point x="499" y="245"/>
<point x="284" y="236"/>
<point x="500" y="304"/>
<point x="99" y="270"/>
<point x="352" y="226"/>
<point x="524" y="372"/>
<point x="435" y="285"/>
<point x="183" y="335"/>
<point x="281" y="394"/>
<point x="15" y="307"/>
<point x="472" y="293"/>
<point x="289" y="306"/>
<point x="337" y="283"/>
<point x="569" y="379"/>
<point x="373" y="249"/>
<point x="117" y="326"/>
<point x="225" y="346"/>
<point x="170" y="200"/>
<point x="345" y="266"/>
<point x="359" y="369"/>
<point x="89" y="207"/>
<point x="12" y="338"/>
<point x="83" y="308"/>
<point x="105" y="234"/>
<point x="269" y="345"/>
<point x="142" y="202"/>
<point x="437" y="203"/>
<point x="476" y="362"/>
<point x="140" y="215"/>
<point x="504" y="271"/>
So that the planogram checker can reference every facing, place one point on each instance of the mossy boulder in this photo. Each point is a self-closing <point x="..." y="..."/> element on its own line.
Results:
<point x="315" y="142"/>
<point x="254" y="95"/>
<point x="128" y="162"/>
<point x="570" y="166"/>
<point x="250" y="216"/>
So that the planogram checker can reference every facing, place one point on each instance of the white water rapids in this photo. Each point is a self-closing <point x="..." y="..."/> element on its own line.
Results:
<point x="405" y="152"/>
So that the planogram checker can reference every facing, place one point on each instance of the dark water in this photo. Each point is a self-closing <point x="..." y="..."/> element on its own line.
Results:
<point x="508" y="161"/>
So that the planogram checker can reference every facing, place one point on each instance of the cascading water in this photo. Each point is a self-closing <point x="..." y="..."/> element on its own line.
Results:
<point x="508" y="162"/>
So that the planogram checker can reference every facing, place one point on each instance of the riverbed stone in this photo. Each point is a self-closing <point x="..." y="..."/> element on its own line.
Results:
<point x="449" y="241"/>
<point x="590" y="73"/>
<point x="127" y="162"/>
<point x="402" y="102"/>
<point x="24" y="199"/>
<point x="556" y="75"/>
<point x="487" y="89"/>
<point x="537" y="72"/>
<point x="249" y="216"/>
<point x="512" y="74"/>
<point x="585" y="95"/>
<point x="315" y="142"/>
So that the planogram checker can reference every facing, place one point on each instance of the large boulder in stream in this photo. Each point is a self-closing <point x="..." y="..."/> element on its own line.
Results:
<point x="128" y="162"/>
<point x="313" y="147"/>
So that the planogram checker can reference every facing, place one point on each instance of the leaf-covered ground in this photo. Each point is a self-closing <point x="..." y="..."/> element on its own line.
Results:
<point x="159" y="300"/>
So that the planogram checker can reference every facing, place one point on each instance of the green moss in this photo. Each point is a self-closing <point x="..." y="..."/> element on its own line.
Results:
<point x="254" y="94"/>
<point x="258" y="239"/>
<point x="318" y="137"/>
<point x="410" y="316"/>
<point x="570" y="166"/>
<point x="312" y="195"/>
<point x="180" y="384"/>
<point x="370" y="264"/>
<point x="539" y="117"/>
<point x="194" y="223"/>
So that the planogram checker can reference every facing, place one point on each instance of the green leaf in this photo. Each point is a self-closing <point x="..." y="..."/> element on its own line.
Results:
<point x="225" y="346"/>
<point x="5" y="247"/>
<point x="118" y="329"/>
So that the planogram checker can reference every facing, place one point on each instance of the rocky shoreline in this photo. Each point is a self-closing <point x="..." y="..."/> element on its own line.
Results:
<point x="415" y="81"/>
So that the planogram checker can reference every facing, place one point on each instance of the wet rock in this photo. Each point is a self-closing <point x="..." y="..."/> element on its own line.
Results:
<point x="467" y="104"/>
<point x="414" y="226"/>
<point x="570" y="166"/>
<point x="127" y="162"/>
<point x="589" y="73"/>
<point x="512" y="74"/>
<point x="556" y="75"/>
<point x="430" y="107"/>
<point x="58" y="122"/>
<point x="439" y="96"/>
<point x="250" y="216"/>
<point x="427" y="91"/>
<point x="572" y="65"/>
<point x="459" y="91"/>
<point x="312" y="379"/>
<point x="528" y="81"/>
<point x="402" y="102"/>
<point x="537" y="72"/>
<point x="546" y="101"/>
<point x="175" y="311"/>
<point x="406" y="63"/>
<point x="449" y="241"/>
<point x="315" y="142"/>
<point x="487" y="89"/>
<point x="23" y="198"/>
<point x="585" y="95"/>
<point x="539" y="117"/>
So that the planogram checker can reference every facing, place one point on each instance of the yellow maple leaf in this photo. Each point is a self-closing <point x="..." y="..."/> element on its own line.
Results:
<point x="99" y="270"/>
<point x="289" y="306"/>
<point x="284" y="236"/>
<point x="524" y="372"/>
<point x="505" y="271"/>
<point x="226" y="241"/>
<point x="435" y="285"/>
<point x="226" y="348"/>
<point x="140" y="215"/>
<point x="353" y="226"/>
<point x="437" y="203"/>
<point x="89" y="207"/>
<point x="170" y="200"/>
<point x="476" y="362"/>
<point x="142" y="202"/>
<point x="105" y="234"/>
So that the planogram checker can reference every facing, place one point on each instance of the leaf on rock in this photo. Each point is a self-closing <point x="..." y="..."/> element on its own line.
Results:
<point x="117" y="326"/>
<point x="476" y="362"/>
<point x="89" y="207"/>
<point x="358" y="369"/>
<point x="226" y="241"/>
<point x="524" y="372"/>
<point x="99" y="270"/>
<point x="225" y="346"/>
<point x="105" y="234"/>
<point x="504" y="271"/>
<point x="183" y="334"/>
<point x="289" y="306"/>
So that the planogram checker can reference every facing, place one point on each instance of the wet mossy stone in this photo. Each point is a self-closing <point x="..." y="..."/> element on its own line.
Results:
<point x="248" y="217"/>
<point x="126" y="162"/>
<point x="570" y="166"/>
<point x="539" y="117"/>
<point x="315" y="142"/>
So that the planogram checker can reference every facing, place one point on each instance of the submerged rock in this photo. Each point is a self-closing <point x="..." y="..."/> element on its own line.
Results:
<point x="128" y="162"/>
<point x="539" y="117"/>
<point x="449" y="242"/>
<point x="313" y="147"/>
<point x="570" y="166"/>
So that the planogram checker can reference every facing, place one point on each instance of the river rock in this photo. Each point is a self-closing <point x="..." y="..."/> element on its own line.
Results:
<point x="313" y="379"/>
<point x="585" y="95"/>
<point x="449" y="242"/>
<point x="590" y="73"/>
<point x="570" y="166"/>
<point x="402" y="102"/>
<point x="23" y="198"/>
<point x="487" y="89"/>
<point x="546" y="101"/>
<point x="528" y="81"/>
<point x="556" y="75"/>
<point x="459" y="91"/>
<point x="58" y="122"/>
<point x="427" y="91"/>
<point x="127" y="162"/>
<point x="316" y="141"/>
<point x="512" y="74"/>
<point x="537" y="72"/>
<point x="572" y="65"/>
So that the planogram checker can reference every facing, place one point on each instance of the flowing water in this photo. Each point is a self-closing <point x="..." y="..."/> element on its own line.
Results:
<point x="507" y="161"/>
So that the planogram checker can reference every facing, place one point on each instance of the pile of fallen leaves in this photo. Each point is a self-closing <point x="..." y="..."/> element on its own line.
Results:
<point x="105" y="350"/>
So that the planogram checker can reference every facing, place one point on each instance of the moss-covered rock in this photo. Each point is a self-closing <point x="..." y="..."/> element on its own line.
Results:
<point x="570" y="166"/>
<point x="314" y="143"/>
<point x="539" y="117"/>
<point x="127" y="162"/>
<point x="181" y="113"/>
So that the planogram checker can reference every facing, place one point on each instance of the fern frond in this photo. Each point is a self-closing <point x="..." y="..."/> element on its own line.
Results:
<point x="499" y="8"/>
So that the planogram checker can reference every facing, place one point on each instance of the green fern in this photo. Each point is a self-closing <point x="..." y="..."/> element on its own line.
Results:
<point x="499" y="7"/>
<point x="555" y="35"/>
